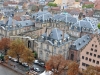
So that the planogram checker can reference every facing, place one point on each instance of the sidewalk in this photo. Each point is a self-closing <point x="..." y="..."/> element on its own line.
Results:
<point x="12" y="67"/>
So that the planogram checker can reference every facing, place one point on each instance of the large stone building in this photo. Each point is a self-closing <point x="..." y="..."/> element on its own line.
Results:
<point x="53" y="42"/>
<point x="85" y="26"/>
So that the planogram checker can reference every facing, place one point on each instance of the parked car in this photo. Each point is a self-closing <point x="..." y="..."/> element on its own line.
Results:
<point x="14" y="59"/>
<point x="36" y="61"/>
<point x="42" y="64"/>
<point x="37" y="69"/>
<point x="9" y="57"/>
<point x="25" y="64"/>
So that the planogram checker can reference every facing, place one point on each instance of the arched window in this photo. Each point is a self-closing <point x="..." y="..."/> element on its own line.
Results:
<point x="29" y="44"/>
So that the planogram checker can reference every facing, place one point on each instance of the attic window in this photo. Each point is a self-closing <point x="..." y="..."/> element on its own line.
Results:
<point x="87" y="37"/>
<point x="84" y="40"/>
<point x="26" y="23"/>
<point x="79" y="43"/>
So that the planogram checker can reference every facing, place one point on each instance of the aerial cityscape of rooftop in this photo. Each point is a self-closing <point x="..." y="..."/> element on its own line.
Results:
<point x="49" y="37"/>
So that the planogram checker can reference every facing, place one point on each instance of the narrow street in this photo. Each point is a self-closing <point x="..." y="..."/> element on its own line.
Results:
<point x="6" y="71"/>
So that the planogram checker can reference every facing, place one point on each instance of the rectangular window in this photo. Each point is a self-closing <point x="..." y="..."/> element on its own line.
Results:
<point x="82" y="57"/>
<point x="87" y="65"/>
<point x="94" y="55"/>
<point x="91" y="54"/>
<point x="93" y="61"/>
<point x="95" y="45"/>
<point x="91" y="49"/>
<point x="47" y="46"/>
<point x="98" y="56"/>
<point x="86" y="58"/>
<point x="92" y="45"/>
<point x="83" y="64"/>
<point x="97" y="62"/>
<point x="87" y="52"/>
<point x="95" y="50"/>
<point x="90" y="59"/>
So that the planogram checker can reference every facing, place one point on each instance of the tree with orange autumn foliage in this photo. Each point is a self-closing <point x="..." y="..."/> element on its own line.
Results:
<point x="4" y="44"/>
<point x="57" y="64"/>
<point x="19" y="51"/>
<point x="28" y="56"/>
<point x="97" y="68"/>
<point x="91" y="70"/>
<point x="73" y="68"/>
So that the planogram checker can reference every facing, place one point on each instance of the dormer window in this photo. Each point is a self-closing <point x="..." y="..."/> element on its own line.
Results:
<point x="10" y="26"/>
<point x="84" y="28"/>
<point x="87" y="29"/>
<point x="75" y="27"/>
<point x="87" y="37"/>
<point x="55" y="42"/>
<point x="42" y="37"/>
<point x="84" y="40"/>
<point x="26" y="23"/>
<point x="80" y="43"/>
<point x="60" y="41"/>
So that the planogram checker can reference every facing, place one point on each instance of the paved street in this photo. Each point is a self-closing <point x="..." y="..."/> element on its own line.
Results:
<point x="6" y="71"/>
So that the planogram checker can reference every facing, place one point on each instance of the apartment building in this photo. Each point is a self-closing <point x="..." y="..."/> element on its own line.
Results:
<point x="77" y="46"/>
<point x="85" y="26"/>
<point x="90" y="55"/>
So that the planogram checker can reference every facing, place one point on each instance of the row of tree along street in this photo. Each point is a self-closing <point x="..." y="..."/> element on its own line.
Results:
<point x="59" y="66"/>
<point x="16" y="49"/>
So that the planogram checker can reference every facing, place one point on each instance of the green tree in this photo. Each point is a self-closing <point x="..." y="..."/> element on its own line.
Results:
<point x="35" y="54"/>
<point x="99" y="25"/>
<point x="76" y="0"/>
<point x="88" y="6"/>
<point x="52" y="4"/>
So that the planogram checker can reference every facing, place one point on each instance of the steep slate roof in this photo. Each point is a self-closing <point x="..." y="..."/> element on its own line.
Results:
<point x="81" y="42"/>
<point x="42" y="15"/>
<point x="25" y="23"/>
<point x="57" y="34"/>
<point x="86" y="23"/>
<point x="55" y="38"/>
<point x="64" y="17"/>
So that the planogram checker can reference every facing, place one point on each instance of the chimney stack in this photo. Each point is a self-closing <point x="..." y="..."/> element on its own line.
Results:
<point x="63" y="36"/>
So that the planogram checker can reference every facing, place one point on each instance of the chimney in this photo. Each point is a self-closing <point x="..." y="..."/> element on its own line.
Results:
<point x="63" y="35"/>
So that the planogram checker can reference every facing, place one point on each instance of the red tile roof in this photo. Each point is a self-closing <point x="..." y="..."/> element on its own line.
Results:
<point x="9" y="2"/>
<point x="55" y="8"/>
<point x="97" y="5"/>
<point x="17" y="18"/>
